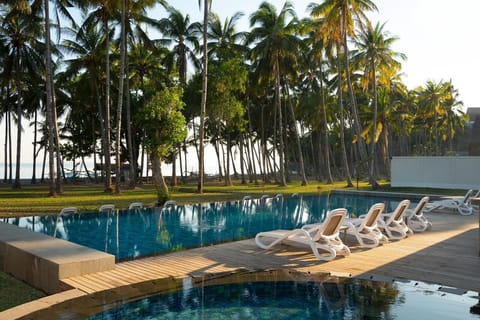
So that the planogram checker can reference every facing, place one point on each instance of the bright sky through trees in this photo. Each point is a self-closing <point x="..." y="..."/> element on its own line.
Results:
<point x="440" y="37"/>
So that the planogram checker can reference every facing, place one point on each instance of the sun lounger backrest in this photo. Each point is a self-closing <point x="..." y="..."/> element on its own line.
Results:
<point x="135" y="206"/>
<point x="467" y="196"/>
<point x="333" y="222"/>
<point x="419" y="208"/>
<point x="373" y="214"/>
<point x="400" y="210"/>
<point x="107" y="208"/>
<point x="67" y="211"/>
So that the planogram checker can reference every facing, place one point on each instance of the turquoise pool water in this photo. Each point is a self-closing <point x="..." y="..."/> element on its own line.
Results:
<point x="133" y="234"/>
<point x="299" y="299"/>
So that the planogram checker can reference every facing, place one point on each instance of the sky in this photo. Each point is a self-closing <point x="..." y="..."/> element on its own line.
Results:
<point x="439" y="37"/>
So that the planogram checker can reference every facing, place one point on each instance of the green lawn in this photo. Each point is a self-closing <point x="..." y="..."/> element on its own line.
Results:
<point x="14" y="292"/>
<point x="35" y="200"/>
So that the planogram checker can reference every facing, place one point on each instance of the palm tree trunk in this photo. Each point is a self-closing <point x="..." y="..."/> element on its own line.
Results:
<point x="180" y="160"/>
<point x="325" y="130"/>
<point x="120" y="102"/>
<point x="264" y="149"/>
<point x="102" y="124"/>
<point x="86" y="169"/>
<point x="173" y="181"/>
<point x="159" y="180"/>
<point x="10" y="161"/>
<point x="372" y="178"/>
<point x="5" y="155"/>
<point x="342" y="127"/>
<point x="59" y="181"/>
<point x="17" y="183"/>
<point x="204" y="97"/>
<point x="242" y="165"/>
<point x="357" y="124"/>
<point x="232" y="158"/>
<point x="132" y="154"/>
<point x="42" y="179"/>
<point x="228" y="180"/>
<point x="95" y="175"/>
<point x="282" y="181"/>
<point x="34" y="167"/>
<point x="250" y="137"/>
<point x="297" y="138"/>
<point x="108" y="175"/>
<point x="185" y="157"/>
<point x="49" y="106"/>
<point x="219" y="162"/>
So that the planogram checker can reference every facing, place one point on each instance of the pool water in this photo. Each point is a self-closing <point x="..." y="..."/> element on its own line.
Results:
<point x="331" y="298"/>
<point x="133" y="234"/>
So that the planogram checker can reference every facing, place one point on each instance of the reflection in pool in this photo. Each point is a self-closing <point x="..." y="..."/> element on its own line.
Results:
<point x="273" y="294"/>
<point x="132" y="234"/>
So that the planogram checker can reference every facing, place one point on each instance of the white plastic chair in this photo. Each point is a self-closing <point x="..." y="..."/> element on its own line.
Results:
<point x="107" y="208"/>
<point x="67" y="211"/>
<point x="64" y="212"/>
<point x="322" y="237"/>
<point x="365" y="227"/>
<point x="393" y="224"/>
<point x="415" y="218"/>
<point x="463" y="206"/>
<point x="170" y="203"/>
<point x="135" y="206"/>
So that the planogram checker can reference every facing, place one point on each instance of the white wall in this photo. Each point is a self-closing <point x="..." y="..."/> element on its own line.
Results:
<point x="436" y="172"/>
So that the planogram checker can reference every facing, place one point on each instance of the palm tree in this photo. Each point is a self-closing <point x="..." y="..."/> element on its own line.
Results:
<point x="274" y="39"/>
<point x="19" y="34"/>
<point x="454" y="121"/>
<point x="224" y="40"/>
<point x="178" y="30"/>
<point x="230" y="73"/>
<point x="332" y="42"/>
<point x="88" y="54"/>
<point x="101" y="15"/>
<point x="134" y="16"/>
<point x="436" y="103"/>
<point x="339" y="24"/>
<point x="314" y="59"/>
<point x="55" y="183"/>
<point x="374" y="52"/>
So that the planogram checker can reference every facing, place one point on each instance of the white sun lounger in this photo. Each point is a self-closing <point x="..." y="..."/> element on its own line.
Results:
<point x="415" y="218"/>
<point x="67" y="211"/>
<point x="463" y="206"/>
<point x="135" y="206"/>
<point x="365" y="228"/>
<point x="64" y="212"/>
<point x="107" y="208"/>
<point x="393" y="224"/>
<point x="321" y="238"/>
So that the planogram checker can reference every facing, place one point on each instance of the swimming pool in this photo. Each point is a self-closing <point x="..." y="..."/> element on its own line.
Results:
<point x="273" y="294"/>
<point x="133" y="234"/>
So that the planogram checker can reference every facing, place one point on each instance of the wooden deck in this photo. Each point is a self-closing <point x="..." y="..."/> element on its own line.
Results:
<point x="446" y="255"/>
